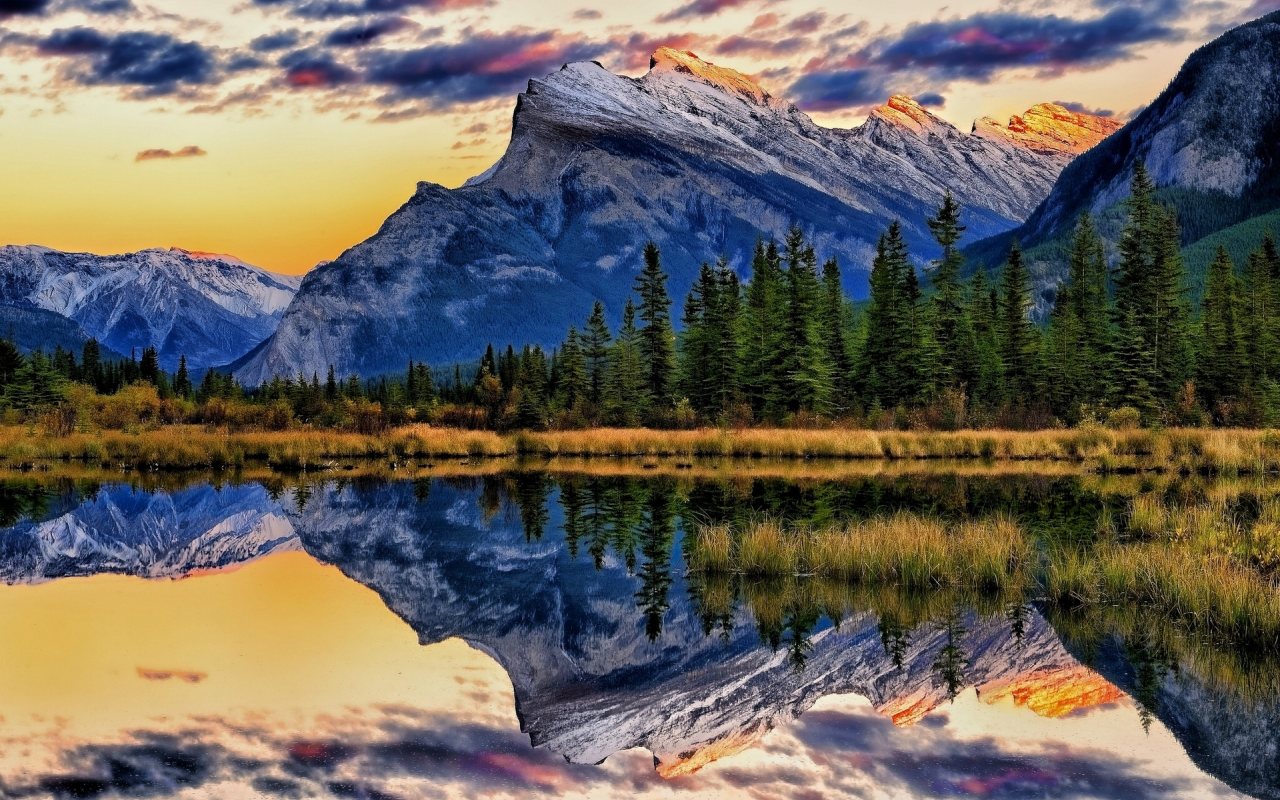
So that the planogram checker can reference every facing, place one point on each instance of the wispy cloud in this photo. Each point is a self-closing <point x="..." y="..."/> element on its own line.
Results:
<point x="161" y="154"/>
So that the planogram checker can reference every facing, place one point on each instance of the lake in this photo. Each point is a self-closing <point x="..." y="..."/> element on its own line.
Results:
<point x="521" y="631"/>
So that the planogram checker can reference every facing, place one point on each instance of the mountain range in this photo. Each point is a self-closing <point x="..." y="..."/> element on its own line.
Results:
<point x="695" y="157"/>
<point x="1210" y="140"/>
<point x="210" y="308"/>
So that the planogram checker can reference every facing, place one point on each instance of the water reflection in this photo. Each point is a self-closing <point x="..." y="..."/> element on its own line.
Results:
<point x="575" y="586"/>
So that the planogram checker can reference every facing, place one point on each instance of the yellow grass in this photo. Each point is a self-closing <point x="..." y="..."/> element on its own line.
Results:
<point x="903" y="550"/>
<point x="1218" y="451"/>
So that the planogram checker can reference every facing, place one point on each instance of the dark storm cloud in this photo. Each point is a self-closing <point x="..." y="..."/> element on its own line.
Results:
<point x="981" y="46"/>
<point x="978" y="46"/>
<point x="14" y="7"/>
<point x="316" y="69"/>
<point x="931" y="100"/>
<point x="280" y="40"/>
<point x="157" y="63"/>
<point x="700" y="8"/>
<point x="366" y="33"/>
<point x="837" y="89"/>
<point x="326" y="9"/>
<point x="481" y="67"/>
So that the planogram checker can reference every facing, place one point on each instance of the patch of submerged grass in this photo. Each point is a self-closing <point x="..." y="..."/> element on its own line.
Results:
<point x="902" y="550"/>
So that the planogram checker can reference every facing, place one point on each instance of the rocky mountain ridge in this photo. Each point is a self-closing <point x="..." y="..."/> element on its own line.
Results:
<point x="1210" y="140"/>
<point x="697" y="158"/>
<point x="210" y="308"/>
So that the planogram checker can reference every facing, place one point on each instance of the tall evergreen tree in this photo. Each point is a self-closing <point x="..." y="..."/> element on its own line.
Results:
<point x="1017" y="336"/>
<point x="1222" y="348"/>
<point x="761" y="334"/>
<point x="595" y="350"/>
<point x="657" y="340"/>
<point x="885" y="364"/>
<point x="806" y="358"/>
<point x="625" y="384"/>
<point x="572" y="386"/>
<point x="980" y="312"/>
<point x="947" y="303"/>
<point x="1089" y="309"/>
<point x="834" y="328"/>
<point x="182" y="381"/>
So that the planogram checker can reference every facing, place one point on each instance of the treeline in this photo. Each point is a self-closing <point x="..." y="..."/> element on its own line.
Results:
<point x="1121" y="344"/>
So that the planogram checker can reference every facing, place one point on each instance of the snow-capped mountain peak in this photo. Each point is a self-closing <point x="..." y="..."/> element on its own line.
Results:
<point x="667" y="62"/>
<point x="1049" y="128"/>
<point x="210" y="308"/>
<point x="903" y="112"/>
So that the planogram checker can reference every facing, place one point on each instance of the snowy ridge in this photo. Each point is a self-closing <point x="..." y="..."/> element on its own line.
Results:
<point x="211" y="308"/>
<point x="695" y="157"/>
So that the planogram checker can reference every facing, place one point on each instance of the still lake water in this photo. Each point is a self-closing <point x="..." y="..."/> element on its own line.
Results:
<point x="527" y="634"/>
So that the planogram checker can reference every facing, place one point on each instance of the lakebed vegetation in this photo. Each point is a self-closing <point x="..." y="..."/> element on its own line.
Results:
<point x="188" y="446"/>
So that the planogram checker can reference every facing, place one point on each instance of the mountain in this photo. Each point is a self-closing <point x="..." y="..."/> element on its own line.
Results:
<point x="210" y="308"/>
<point x="32" y="329"/>
<point x="1211" y="142"/>
<point x="697" y="158"/>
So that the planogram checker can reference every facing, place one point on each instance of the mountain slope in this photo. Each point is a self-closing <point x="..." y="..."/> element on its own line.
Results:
<point x="697" y="158"/>
<point x="34" y="329"/>
<point x="210" y="308"/>
<point x="1211" y="141"/>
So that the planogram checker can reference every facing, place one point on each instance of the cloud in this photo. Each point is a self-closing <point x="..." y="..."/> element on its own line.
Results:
<point x="839" y="89"/>
<point x="587" y="13"/>
<point x="15" y="7"/>
<point x="279" y="40"/>
<point x="978" y="46"/>
<point x="316" y="69"/>
<point x="326" y="9"/>
<point x="104" y="7"/>
<point x="1081" y="108"/>
<point x="481" y="67"/>
<point x="367" y="33"/>
<point x="700" y="8"/>
<point x="981" y="46"/>
<point x="931" y="100"/>
<point x="157" y="63"/>
<point x="761" y="45"/>
<point x="160" y="154"/>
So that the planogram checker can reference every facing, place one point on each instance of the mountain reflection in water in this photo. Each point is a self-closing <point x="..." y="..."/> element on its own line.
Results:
<point x="288" y="676"/>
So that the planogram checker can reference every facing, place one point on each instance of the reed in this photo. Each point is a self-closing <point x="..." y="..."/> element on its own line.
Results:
<point x="902" y="550"/>
<point x="1099" y="449"/>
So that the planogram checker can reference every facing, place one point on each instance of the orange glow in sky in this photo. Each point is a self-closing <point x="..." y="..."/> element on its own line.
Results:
<point x="301" y="165"/>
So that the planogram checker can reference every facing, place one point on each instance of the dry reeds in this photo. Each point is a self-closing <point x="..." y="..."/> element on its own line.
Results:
<point x="903" y="550"/>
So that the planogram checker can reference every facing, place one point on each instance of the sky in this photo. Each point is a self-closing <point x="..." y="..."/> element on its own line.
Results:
<point x="285" y="131"/>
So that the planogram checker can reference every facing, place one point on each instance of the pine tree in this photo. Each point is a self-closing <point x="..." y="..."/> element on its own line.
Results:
<point x="1169" y="338"/>
<point x="657" y="340"/>
<point x="980" y="312"/>
<point x="91" y="364"/>
<point x="1131" y="367"/>
<point x="572" y="388"/>
<point x="947" y="302"/>
<point x="625" y="384"/>
<point x="182" y="381"/>
<point x="1089" y="310"/>
<point x="1260" y="321"/>
<point x="595" y="349"/>
<point x="760" y="335"/>
<point x="886" y="365"/>
<point x="1016" y="335"/>
<point x="149" y="369"/>
<point x="697" y="343"/>
<point x="835" y="333"/>
<point x="1221" y="343"/>
<point x="330" y="385"/>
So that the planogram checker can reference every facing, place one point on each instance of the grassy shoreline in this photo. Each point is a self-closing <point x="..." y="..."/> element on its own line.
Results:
<point x="189" y="446"/>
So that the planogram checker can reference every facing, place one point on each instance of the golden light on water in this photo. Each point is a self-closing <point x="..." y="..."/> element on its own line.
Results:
<point x="285" y="634"/>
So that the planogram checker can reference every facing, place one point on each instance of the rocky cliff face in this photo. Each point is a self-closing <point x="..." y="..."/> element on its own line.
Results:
<point x="1211" y="140"/>
<point x="697" y="158"/>
<point x="210" y="308"/>
<point x="1051" y="130"/>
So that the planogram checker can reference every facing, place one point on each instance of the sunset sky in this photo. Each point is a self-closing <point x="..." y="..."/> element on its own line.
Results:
<point x="284" y="131"/>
